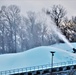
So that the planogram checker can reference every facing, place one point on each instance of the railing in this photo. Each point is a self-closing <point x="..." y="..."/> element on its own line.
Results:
<point x="34" y="68"/>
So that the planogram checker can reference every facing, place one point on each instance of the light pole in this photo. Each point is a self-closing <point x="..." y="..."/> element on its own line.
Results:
<point x="52" y="52"/>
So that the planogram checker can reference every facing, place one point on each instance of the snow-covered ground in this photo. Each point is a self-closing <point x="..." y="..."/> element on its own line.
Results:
<point x="38" y="56"/>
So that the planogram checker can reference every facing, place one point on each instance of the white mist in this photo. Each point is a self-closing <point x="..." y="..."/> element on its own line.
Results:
<point x="51" y="26"/>
<point x="57" y="31"/>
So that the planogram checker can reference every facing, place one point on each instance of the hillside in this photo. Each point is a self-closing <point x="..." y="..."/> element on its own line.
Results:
<point x="37" y="56"/>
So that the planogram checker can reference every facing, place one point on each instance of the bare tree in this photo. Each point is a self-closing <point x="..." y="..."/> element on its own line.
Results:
<point x="23" y="34"/>
<point x="74" y="23"/>
<point x="14" y="11"/>
<point x="1" y="34"/>
<point x="11" y="18"/>
<point x="57" y="13"/>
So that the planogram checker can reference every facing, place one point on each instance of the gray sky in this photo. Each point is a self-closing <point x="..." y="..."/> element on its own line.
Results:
<point x="37" y="5"/>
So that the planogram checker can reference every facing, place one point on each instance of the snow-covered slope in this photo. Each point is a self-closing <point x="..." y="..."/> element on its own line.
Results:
<point x="65" y="46"/>
<point x="37" y="56"/>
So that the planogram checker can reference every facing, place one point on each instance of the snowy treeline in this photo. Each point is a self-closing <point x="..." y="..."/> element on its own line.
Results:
<point x="19" y="33"/>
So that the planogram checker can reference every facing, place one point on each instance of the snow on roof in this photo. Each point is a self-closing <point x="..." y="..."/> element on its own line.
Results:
<point x="37" y="56"/>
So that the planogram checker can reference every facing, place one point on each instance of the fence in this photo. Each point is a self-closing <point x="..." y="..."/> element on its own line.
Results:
<point x="34" y="68"/>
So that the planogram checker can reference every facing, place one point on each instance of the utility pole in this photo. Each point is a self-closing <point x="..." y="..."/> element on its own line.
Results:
<point x="52" y="52"/>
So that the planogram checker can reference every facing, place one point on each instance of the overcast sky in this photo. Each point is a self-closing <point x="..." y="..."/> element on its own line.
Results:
<point x="37" y="5"/>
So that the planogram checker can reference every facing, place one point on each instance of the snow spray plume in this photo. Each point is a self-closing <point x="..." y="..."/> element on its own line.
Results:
<point x="53" y="28"/>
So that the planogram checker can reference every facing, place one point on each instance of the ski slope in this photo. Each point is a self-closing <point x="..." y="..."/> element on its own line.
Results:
<point x="37" y="56"/>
